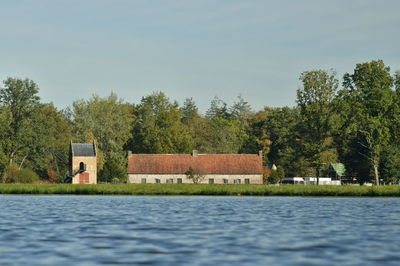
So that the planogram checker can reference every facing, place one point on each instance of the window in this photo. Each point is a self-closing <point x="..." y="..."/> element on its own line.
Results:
<point x="82" y="167"/>
<point x="158" y="181"/>
<point x="170" y="181"/>
<point x="247" y="180"/>
<point x="236" y="181"/>
<point x="225" y="181"/>
<point x="143" y="181"/>
<point x="211" y="181"/>
<point x="179" y="181"/>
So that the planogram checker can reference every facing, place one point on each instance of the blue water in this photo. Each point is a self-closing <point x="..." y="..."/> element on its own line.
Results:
<point x="92" y="230"/>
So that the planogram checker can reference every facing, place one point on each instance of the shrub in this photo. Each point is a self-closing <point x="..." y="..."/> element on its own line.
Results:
<point x="25" y="175"/>
<point x="276" y="175"/>
<point x="10" y="174"/>
<point x="112" y="171"/>
<point x="52" y="176"/>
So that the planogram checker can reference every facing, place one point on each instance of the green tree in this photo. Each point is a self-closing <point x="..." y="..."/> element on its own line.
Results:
<point x="159" y="128"/>
<point x="19" y="98"/>
<point x="370" y="102"/>
<point x="276" y="176"/>
<point x="281" y="124"/>
<point x="218" y="135"/>
<point x="52" y="132"/>
<point x="240" y="110"/>
<point x="189" y="111"/>
<point x="318" y="119"/>
<point x="113" y="171"/>
<point x="218" y="109"/>
<point x="390" y="163"/>
<point x="194" y="174"/>
<point x="107" y="121"/>
<point x="397" y="81"/>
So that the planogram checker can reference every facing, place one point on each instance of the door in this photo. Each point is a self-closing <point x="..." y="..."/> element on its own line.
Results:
<point x="84" y="178"/>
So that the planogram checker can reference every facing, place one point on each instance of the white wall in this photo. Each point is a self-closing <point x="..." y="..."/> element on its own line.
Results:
<point x="218" y="179"/>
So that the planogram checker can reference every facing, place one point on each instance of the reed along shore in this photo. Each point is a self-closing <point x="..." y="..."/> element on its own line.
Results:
<point x="198" y="190"/>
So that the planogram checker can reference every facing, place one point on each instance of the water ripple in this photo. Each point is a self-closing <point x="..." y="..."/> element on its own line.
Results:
<point x="92" y="230"/>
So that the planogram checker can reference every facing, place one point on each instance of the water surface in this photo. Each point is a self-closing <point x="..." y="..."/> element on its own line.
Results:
<point x="93" y="230"/>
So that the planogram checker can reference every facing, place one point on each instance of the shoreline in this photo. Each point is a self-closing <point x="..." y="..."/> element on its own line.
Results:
<point x="201" y="190"/>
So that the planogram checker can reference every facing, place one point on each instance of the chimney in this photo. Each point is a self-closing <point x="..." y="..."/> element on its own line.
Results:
<point x="195" y="153"/>
<point x="129" y="154"/>
<point x="260" y="153"/>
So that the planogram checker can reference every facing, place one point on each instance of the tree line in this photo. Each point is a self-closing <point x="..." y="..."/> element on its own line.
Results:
<point x="354" y="120"/>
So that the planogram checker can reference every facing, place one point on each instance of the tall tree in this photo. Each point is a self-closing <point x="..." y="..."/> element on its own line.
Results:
<point x="240" y="110"/>
<point x="371" y="101"/>
<point x="218" y="135"/>
<point x="281" y="125"/>
<point x="19" y="97"/>
<point x="108" y="121"/>
<point x="53" y="133"/>
<point x="159" y="128"/>
<point x="189" y="111"/>
<point x="318" y="119"/>
<point x="397" y="81"/>
<point x="218" y="109"/>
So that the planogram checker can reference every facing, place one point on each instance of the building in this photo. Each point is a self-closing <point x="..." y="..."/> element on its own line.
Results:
<point x="310" y="181"/>
<point x="336" y="171"/>
<point x="83" y="163"/>
<point x="210" y="168"/>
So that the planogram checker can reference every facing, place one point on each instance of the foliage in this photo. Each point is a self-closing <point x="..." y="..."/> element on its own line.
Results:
<point x="113" y="172"/>
<point x="189" y="111"/>
<point x="15" y="175"/>
<point x="317" y="119"/>
<point x="18" y="99"/>
<point x="218" y="109"/>
<point x="107" y="121"/>
<point x="390" y="163"/>
<point x="372" y="102"/>
<point x="158" y="127"/>
<point x="357" y="125"/>
<point x="52" y="133"/>
<point x="281" y="124"/>
<point x="276" y="176"/>
<point x="195" y="174"/>
<point x="26" y="175"/>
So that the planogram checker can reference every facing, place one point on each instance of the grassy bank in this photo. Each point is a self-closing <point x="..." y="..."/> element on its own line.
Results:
<point x="218" y="190"/>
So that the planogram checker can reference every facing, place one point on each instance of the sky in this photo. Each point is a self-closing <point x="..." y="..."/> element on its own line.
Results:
<point x="255" y="48"/>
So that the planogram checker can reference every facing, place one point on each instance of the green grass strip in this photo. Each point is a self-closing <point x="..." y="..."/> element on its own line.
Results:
<point x="209" y="190"/>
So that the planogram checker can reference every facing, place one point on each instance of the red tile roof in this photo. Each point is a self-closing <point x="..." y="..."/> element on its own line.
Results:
<point x="206" y="163"/>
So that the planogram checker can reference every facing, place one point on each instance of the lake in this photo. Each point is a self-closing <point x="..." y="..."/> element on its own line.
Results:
<point x="110" y="230"/>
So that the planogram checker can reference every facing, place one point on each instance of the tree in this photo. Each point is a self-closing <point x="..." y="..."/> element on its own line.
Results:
<point x="281" y="126"/>
<point x="276" y="176"/>
<point x="240" y="110"/>
<point x="218" y="135"/>
<point x="108" y="121"/>
<point x="159" y="128"/>
<point x="18" y="99"/>
<point x="397" y="81"/>
<point x="52" y="132"/>
<point x="371" y="103"/>
<point x="112" y="171"/>
<point x="218" y="109"/>
<point x="390" y="163"/>
<point x="258" y="137"/>
<point x="194" y="174"/>
<point x="317" y="115"/>
<point x="189" y="111"/>
<point x="5" y="119"/>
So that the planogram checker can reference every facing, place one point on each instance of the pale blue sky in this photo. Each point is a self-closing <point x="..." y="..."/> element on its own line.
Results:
<point x="197" y="49"/>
